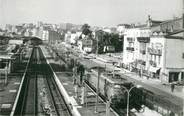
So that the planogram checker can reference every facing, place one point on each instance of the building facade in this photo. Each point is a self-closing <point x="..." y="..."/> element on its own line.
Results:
<point x="156" y="51"/>
<point x="85" y="45"/>
<point x="136" y="41"/>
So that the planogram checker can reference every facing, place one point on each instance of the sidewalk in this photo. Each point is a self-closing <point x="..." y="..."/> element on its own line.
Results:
<point x="178" y="91"/>
<point x="155" y="83"/>
<point x="8" y="93"/>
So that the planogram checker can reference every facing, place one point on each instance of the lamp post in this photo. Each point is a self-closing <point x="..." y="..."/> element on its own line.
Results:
<point x="128" y="95"/>
<point x="113" y="63"/>
<point x="100" y="69"/>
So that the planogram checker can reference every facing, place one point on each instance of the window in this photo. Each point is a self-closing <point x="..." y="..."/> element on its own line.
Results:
<point x="151" y="57"/>
<point x="154" y="58"/>
<point x="159" y="59"/>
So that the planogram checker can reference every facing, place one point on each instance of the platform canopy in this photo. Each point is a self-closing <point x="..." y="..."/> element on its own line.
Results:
<point x="90" y="65"/>
<point x="6" y="57"/>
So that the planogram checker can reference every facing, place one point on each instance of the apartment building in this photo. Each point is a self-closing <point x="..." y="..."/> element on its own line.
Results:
<point x="156" y="50"/>
<point x="166" y="57"/>
<point x="136" y="40"/>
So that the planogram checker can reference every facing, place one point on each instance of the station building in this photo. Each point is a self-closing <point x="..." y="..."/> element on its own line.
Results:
<point x="8" y="49"/>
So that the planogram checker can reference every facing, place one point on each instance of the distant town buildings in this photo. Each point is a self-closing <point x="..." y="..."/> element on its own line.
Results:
<point x="121" y="28"/>
<point x="86" y="44"/>
<point x="154" y="49"/>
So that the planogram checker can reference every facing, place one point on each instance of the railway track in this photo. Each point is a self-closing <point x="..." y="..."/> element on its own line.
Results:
<point x="29" y="101"/>
<point x="39" y="93"/>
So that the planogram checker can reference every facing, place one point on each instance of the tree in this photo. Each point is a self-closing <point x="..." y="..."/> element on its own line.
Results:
<point x="86" y="30"/>
<point x="116" y="41"/>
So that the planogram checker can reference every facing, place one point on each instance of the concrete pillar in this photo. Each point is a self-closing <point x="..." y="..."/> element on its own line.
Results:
<point x="21" y="56"/>
<point x="108" y="108"/>
<point x="83" y="94"/>
<point x="12" y="66"/>
<point x="6" y="75"/>
<point x="141" y="71"/>
<point x="76" y="90"/>
<point x="97" y="91"/>
<point x="9" y="66"/>
<point x="179" y="76"/>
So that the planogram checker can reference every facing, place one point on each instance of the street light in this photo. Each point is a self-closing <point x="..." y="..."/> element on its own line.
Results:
<point x="128" y="95"/>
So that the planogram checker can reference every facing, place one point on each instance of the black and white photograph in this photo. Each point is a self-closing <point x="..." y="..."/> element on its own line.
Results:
<point x="91" y="57"/>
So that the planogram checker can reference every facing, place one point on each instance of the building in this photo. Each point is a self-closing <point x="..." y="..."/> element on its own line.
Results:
<point x="4" y="40"/>
<point x="46" y="34"/>
<point x="156" y="50"/>
<point x="121" y="28"/>
<point x="54" y="37"/>
<point x="166" y="57"/>
<point x="66" y="26"/>
<point x="109" y="48"/>
<point x="136" y="41"/>
<point x="71" y="38"/>
<point x="167" y="26"/>
<point x="86" y="44"/>
<point x="9" y="28"/>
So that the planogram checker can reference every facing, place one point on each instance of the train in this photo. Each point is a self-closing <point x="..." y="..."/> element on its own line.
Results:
<point x="109" y="85"/>
<point x="112" y="88"/>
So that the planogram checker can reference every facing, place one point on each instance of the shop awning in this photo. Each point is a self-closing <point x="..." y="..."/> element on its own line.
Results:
<point x="153" y="69"/>
<point x="143" y="39"/>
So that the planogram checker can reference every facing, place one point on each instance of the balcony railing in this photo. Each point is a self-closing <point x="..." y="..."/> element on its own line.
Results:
<point x="153" y="63"/>
<point x="130" y="48"/>
<point x="154" y="51"/>
<point x="143" y="51"/>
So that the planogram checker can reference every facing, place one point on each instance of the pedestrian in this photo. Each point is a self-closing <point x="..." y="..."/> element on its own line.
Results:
<point x="148" y="77"/>
<point x="139" y="73"/>
<point x="172" y="87"/>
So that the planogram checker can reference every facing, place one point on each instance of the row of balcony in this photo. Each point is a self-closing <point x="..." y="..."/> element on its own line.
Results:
<point x="154" y="51"/>
<point x="153" y="63"/>
<point x="150" y="51"/>
<point x="130" y="48"/>
<point x="143" y="51"/>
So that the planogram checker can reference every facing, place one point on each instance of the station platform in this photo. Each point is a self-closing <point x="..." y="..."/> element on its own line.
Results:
<point x="73" y="93"/>
<point x="9" y="91"/>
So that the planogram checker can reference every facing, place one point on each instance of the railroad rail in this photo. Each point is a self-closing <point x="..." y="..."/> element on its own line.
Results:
<point x="52" y="101"/>
<point x="100" y="96"/>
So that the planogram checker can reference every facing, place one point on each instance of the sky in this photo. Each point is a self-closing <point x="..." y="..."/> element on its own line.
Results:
<point x="93" y="12"/>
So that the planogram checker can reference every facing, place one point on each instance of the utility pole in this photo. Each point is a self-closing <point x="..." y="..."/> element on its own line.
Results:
<point x="108" y="108"/>
<point x="97" y="91"/>
<point x="97" y="45"/>
<point x="6" y="73"/>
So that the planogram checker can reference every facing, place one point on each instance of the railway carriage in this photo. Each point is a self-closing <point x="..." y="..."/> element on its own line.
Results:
<point x="112" y="88"/>
<point x="109" y="85"/>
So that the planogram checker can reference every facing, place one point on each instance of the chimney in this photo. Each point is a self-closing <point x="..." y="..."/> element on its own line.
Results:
<point x="149" y="22"/>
